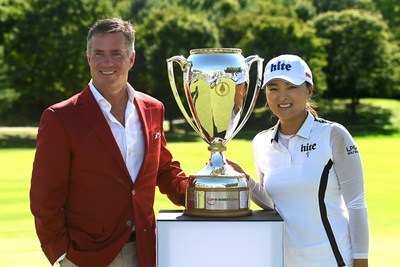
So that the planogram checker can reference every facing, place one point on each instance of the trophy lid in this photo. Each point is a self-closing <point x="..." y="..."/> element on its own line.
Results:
<point x="215" y="51"/>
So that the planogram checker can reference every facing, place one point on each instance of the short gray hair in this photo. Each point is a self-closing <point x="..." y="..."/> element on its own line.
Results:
<point x="113" y="25"/>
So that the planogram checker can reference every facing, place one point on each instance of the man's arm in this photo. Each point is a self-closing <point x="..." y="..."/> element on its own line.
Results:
<point x="49" y="186"/>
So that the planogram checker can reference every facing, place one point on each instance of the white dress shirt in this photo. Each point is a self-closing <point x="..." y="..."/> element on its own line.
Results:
<point x="130" y="138"/>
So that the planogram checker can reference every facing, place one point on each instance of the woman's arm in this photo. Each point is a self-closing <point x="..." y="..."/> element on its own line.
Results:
<point x="348" y="167"/>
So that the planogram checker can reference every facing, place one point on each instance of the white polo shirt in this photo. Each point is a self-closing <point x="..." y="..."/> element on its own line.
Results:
<point x="316" y="184"/>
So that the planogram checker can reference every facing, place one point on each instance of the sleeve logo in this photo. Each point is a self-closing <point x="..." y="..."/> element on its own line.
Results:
<point x="351" y="150"/>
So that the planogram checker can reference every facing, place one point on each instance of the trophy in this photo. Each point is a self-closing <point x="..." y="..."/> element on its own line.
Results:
<point x="214" y="92"/>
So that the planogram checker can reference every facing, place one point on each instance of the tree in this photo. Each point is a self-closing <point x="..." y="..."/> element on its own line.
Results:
<point x="164" y="34"/>
<point x="391" y="12"/>
<point x="44" y="50"/>
<point x="42" y="43"/>
<point x="305" y="9"/>
<point x="323" y="6"/>
<point x="10" y="13"/>
<point x="360" y="55"/>
<point x="269" y="35"/>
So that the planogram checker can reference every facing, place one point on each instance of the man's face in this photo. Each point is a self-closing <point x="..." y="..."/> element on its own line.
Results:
<point x="109" y="61"/>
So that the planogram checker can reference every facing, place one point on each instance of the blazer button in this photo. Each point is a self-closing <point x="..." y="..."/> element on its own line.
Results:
<point x="129" y="223"/>
<point x="133" y="192"/>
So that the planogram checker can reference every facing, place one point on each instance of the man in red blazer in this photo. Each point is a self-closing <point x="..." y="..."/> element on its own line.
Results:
<point x="99" y="157"/>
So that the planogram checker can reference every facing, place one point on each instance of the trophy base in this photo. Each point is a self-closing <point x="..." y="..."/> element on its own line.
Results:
<point x="217" y="202"/>
<point x="217" y="213"/>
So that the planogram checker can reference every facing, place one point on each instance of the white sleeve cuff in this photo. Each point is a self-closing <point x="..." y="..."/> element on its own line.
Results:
<point x="360" y="256"/>
<point x="61" y="257"/>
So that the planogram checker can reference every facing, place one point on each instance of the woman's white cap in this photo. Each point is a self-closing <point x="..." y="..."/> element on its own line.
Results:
<point x="290" y="68"/>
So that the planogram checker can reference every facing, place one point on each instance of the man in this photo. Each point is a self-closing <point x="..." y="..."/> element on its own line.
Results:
<point x="100" y="155"/>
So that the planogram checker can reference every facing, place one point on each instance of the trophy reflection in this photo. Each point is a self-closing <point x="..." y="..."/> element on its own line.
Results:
<point x="214" y="93"/>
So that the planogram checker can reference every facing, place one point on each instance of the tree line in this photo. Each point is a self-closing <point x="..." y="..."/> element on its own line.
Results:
<point x="352" y="46"/>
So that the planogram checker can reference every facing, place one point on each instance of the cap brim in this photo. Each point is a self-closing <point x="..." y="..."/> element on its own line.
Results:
<point x="296" y="82"/>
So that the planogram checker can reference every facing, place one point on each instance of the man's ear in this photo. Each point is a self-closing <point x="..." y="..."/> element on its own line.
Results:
<point x="132" y="59"/>
<point x="88" y="56"/>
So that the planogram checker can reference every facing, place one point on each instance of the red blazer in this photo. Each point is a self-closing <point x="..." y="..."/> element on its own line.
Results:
<point x="82" y="197"/>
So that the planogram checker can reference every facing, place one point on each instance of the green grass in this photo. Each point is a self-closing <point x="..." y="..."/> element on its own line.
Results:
<point x="19" y="245"/>
<point x="380" y="162"/>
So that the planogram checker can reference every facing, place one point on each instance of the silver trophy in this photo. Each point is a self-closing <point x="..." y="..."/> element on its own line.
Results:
<point x="215" y="88"/>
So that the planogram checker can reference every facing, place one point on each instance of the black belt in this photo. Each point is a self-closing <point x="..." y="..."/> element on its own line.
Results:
<point x="132" y="238"/>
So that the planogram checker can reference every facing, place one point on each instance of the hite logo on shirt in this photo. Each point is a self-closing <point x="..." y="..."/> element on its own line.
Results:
<point x="351" y="150"/>
<point x="308" y="148"/>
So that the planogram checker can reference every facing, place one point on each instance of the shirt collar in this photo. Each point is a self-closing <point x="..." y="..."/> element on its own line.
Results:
<point x="304" y="131"/>
<point x="102" y="101"/>
<point x="275" y="133"/>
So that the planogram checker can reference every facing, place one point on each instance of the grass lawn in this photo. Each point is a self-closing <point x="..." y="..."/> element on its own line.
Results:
<point x="19" y="245"/>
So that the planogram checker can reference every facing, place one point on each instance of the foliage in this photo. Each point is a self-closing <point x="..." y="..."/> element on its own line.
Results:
<point x="140" y="9"/>
<point x="45" y="50"/>
<point x="390" y="10"/>
<point x="338" y="5"/>
<point x="11" y="11"/>
<point x="163" y="35"/>
<point x="277" y="31"/>
<point x="351" y="46"/>
<point x="364" y="66"/>
<point x="305" y="9"/>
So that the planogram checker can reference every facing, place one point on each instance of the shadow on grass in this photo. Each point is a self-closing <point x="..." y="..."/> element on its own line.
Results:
<point x="17" y="141"/>
<point x="370" y="120"/>
<point x="187" y="136"/>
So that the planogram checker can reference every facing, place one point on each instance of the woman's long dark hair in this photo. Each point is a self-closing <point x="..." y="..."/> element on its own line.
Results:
<point x="310" y="107"/>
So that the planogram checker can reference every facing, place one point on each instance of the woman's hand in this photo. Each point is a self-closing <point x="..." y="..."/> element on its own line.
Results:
<point x="360" y="262"/>
<point x="238" y="168"/>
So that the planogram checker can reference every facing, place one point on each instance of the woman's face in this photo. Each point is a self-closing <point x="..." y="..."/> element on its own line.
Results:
<point x="287" y="101"/>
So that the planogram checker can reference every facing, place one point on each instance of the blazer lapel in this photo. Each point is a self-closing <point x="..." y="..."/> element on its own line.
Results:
<point x="91" y="112"/>
<point x="146" y="122"/>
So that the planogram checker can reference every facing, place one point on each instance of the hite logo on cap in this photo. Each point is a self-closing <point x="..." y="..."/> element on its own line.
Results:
<point x="290" y="68"/>
<point x="279" y="66"/>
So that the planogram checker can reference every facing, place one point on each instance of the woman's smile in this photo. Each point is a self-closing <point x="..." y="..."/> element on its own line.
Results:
<point x="288" y="105"/>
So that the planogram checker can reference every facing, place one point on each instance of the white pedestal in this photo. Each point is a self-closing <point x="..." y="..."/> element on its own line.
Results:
<point x="185" y="241"/>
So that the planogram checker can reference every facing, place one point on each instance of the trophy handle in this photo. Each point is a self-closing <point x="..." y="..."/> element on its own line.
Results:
<point x="185" y="65"/>
<point x="249" y="61"/>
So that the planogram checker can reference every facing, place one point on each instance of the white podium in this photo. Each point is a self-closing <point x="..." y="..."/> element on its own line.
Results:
<point x="185" y="241"/>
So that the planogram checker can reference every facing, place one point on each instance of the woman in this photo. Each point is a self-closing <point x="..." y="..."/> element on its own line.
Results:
<point x="307" y="169"/>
